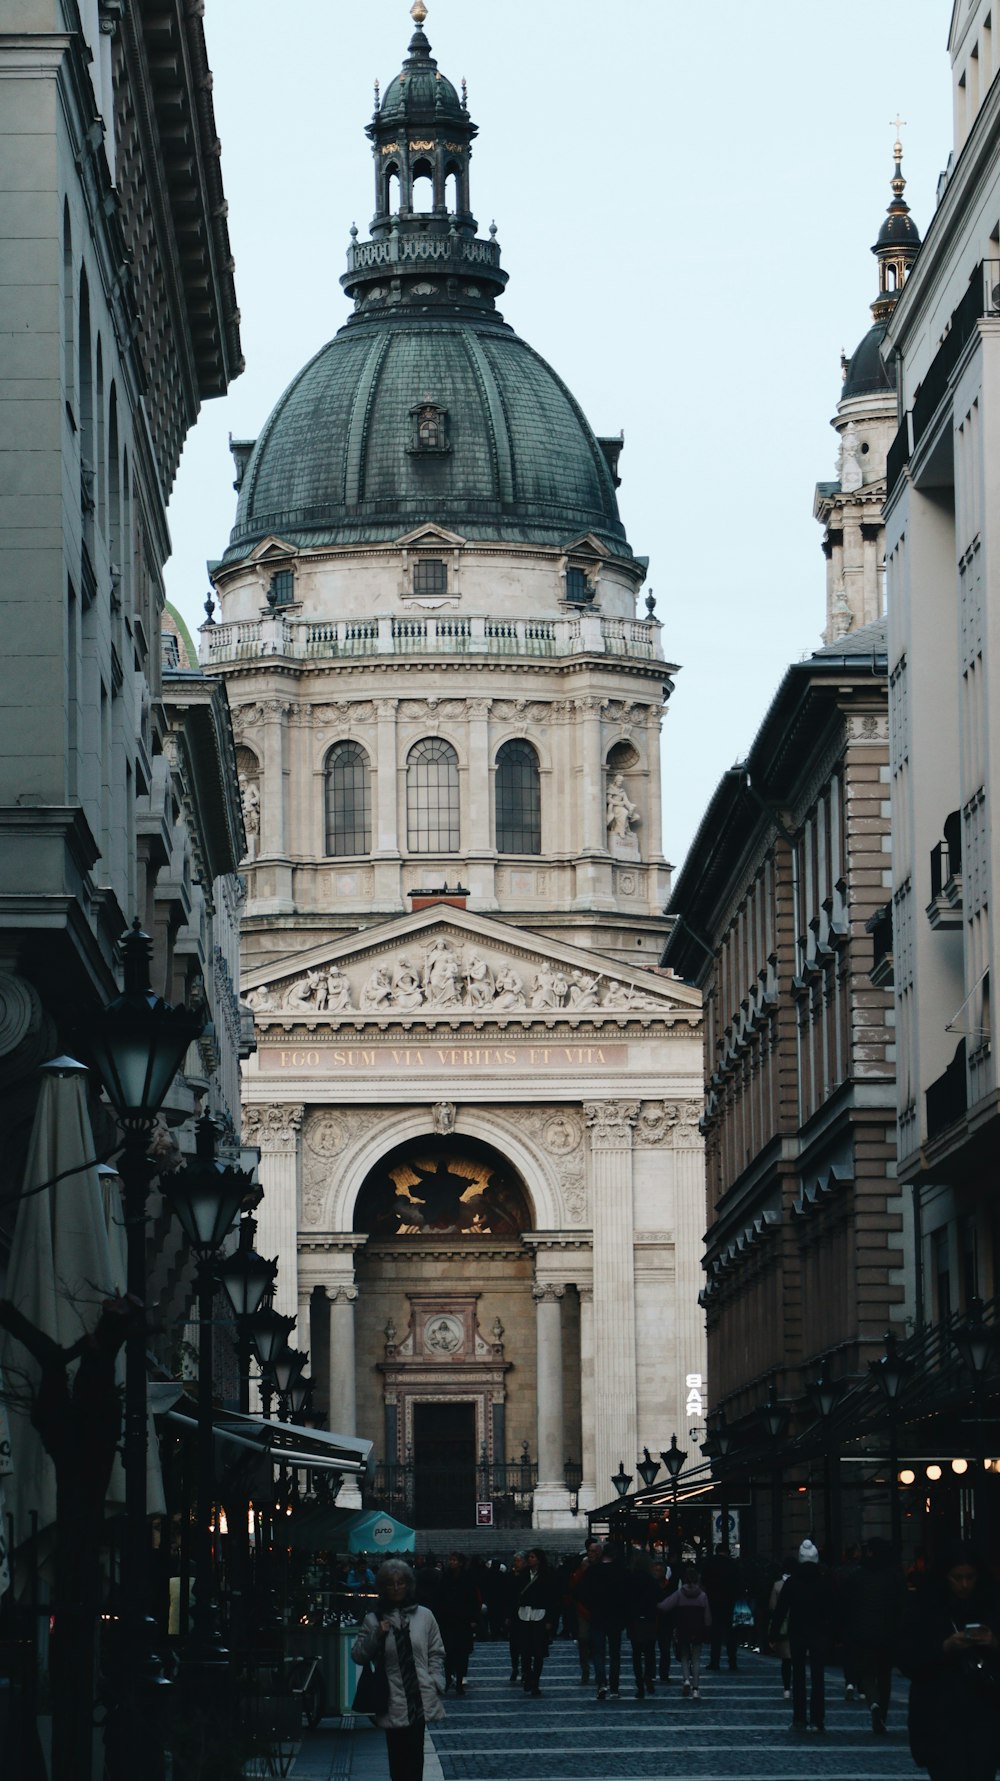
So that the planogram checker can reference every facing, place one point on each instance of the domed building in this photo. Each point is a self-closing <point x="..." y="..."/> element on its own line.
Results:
<point x="474" y="1090"/>
<point x="850" y="509"/>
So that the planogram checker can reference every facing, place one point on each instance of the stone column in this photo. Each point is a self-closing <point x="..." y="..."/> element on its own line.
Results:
<point x="588" y="1498"/>
<point x="551" y="1495"/>
<point x="593" y="830"/>
<point x="688" y="1160"/>
<point x="303" y="1322"/>
<point x="272" y="815"/>
<point x="385" y="827"/>
<point x="615" y="1411"/>
<point x="276" y="1130"/>
<point x="343" y="1376"/>
<point x="477" y="783"/>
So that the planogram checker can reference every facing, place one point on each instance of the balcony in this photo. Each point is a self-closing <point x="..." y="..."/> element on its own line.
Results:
<point x="304" y="639"/>
<point x="879" y="926"/>
<point x="944" y="911"/>
<point x="947" y="1099"/>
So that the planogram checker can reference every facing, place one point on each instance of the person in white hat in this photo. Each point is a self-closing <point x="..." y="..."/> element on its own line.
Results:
<point x="806" y="1603"/>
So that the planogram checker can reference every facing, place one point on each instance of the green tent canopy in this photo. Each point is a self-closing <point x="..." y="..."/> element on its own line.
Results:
<point x="375" y="1532"/>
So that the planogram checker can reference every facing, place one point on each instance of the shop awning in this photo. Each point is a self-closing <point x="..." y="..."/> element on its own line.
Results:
<point x="282" y="1442"/>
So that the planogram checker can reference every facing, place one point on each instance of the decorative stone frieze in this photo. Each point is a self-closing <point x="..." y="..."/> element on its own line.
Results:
<point x="274" y="1127"/>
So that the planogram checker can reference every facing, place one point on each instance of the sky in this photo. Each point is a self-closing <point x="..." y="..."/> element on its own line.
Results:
<point x="685" y="196"/>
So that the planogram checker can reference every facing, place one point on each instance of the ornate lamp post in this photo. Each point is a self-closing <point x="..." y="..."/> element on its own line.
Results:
<point x="268" y="1331"/>
<point x="774" y="1416"/>
<point x="673" y="1458"/>
<point x="246" y="1279"/>
<point x="137" y="1044"/>
<point x="824" y="1395"/>
<point x="976" y="1343"/>
<point x="716" y="1447"/>
<point x="206" y="1197"/>
<point x="622" y="1482"/>
<point x="890" y="1372"/>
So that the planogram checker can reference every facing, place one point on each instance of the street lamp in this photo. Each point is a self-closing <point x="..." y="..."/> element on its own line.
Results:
<point x="774" y="1416"/>
<point x="716" y="1447"/>
<point x="824" y="1395"/>
<point x="976" y="1344"/>
<point x="622" y="1482"/>
<point x="673" y="1458"/>
<point x="287" y="1367"/>
<point x="246" y="1279"/>
<point x="205" y="1196"/>
<point x="647" y="1469"/>
<point x="268" y="1331"/>
<point x="889" y="1372"/>
<point x="137" y="1044"/>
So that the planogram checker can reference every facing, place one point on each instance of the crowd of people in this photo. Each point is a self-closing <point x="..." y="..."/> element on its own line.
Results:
<point x="864" y="1617"/>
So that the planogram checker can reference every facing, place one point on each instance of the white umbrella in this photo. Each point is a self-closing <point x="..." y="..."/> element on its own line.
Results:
<point x="64" y="1263"/>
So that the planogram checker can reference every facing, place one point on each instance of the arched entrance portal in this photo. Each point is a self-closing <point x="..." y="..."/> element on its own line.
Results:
<point x="445" y="1282"/>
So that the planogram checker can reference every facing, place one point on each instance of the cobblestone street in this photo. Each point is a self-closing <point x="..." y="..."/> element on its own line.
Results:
<point x="737" y="1731"/>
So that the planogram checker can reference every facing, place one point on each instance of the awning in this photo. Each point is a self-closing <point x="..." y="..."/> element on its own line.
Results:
<point x="282" y="1442"/>
<point x="328" y="1529"/>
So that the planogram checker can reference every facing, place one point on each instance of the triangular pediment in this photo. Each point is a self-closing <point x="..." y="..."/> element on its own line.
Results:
<point x="450" y="964"/>
<point x="272" y="550"/>
<point x="587" y="545"/>
<point x="431" y="535"/>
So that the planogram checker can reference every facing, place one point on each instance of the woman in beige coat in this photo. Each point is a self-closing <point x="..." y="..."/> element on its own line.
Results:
<point x="404" y="1641"/>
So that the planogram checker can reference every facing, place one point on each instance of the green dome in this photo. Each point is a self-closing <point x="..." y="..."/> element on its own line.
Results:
<point x="339" y="461"/>
<point x="421" y="91"/>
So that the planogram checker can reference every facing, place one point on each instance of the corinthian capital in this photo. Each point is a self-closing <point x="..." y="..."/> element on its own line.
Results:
<point x="274" y="1127"/>
<point x="547" y="1292"/>
<point x="611" y="1123"/>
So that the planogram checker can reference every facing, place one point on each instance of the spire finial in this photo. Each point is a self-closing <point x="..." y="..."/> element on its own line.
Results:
<point x="378" y="97"/>
<point x="898" y="123"/>
<point x="418" y="13"/>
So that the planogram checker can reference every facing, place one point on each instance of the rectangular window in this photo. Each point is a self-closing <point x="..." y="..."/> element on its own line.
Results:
<point x="577" y="586"/>
<point x="430" y="576"/>
<point x="282" y="589"/>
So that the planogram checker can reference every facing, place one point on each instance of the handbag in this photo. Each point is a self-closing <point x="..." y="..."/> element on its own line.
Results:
<point x="371" y="1697"/>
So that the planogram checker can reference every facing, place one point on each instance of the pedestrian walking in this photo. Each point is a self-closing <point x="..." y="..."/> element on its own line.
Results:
<point x="538" y="1611"/>
<point x="402" y="1640"/>
<point x="644" y="1597"/>
<point x="514" y="1580"/>
<point x="457" y="1610"/>
<point x="603" y="1590"/>
<point x="723" y="1584"/>
<point x="591" y="1556"/>
<point x="661" y="1574"/>
<point x="778" y="1626"/>
<point x="872" y="1599"/>
<point x="949" y="1647"/>
<point x="692" y="1614"/>
<point x="806" y="1602"/>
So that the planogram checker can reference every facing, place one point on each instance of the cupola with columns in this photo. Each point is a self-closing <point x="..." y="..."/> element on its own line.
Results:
<point x="850" y="508"/>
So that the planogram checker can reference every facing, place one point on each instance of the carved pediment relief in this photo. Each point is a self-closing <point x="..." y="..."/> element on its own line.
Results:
<point x="464" y="967"/>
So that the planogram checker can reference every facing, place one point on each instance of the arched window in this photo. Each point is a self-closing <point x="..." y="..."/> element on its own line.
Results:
<point x="518" y="799"/>
<point x="432" y="797"/>
<point x="392" y="189"/>
<point x="348" y="800"/>
<point x="422" y="187"/>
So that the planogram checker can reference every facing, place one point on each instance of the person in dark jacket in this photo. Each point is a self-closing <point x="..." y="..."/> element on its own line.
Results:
<point x="644" y="1597"/>
<point x="661" y="1574"/>
<point x="591" y="1557"/>
<point x="950" y="1649"/>
<point x="806" y="1602"/>
<point x="514" y="1581"/>
<point x="603" y="1590"/>
<point x="872" y="1600"/>
<point x="537" y="1613"/>
<point x="457" y="1612"/>
<point x="722" y="1579"/>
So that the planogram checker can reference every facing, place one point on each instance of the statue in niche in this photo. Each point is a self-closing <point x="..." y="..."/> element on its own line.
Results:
<point x="849" y="464"/>
<point x="250" y="801"/>
<point x="480" y="987"/>
<point x="622" y="821"/>
<point x="334" y="992"/>
<point x="377" y="992"/>
<point x="406" y="991"/>
<point x="443" y="1117"/>
<point x="508" y="989"/>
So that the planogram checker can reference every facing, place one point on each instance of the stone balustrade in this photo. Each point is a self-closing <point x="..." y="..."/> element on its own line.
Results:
<point x="390" y="635"/>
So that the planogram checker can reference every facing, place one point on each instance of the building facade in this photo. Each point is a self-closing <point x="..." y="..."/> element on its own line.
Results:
<point x="944" y="339"/>
<point x="116" y="790"/>
<point x="474" y="1091"/>
<point x="805" y="1252"/>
